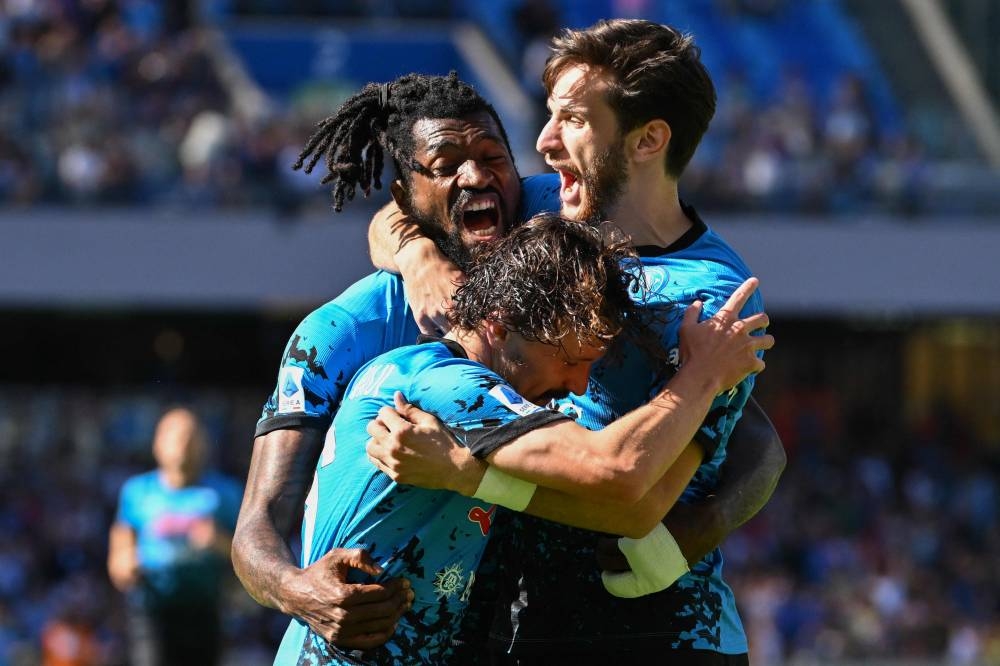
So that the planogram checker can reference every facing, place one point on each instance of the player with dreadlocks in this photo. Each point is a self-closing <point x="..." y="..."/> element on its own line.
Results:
<point x="456" y="176"/>
<point x="389" y="120"/>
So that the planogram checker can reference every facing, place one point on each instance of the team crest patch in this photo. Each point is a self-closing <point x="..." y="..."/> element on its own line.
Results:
<point x="512" y="401"/>
<point x="291" y="397"/>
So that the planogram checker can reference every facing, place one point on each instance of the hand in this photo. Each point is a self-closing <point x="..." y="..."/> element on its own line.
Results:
<point x="124" y="570"/>
<point x="723" y="347"/>
<point x="430" y="280"/>
<point x="413" y="447"/>
<point x="349" y="615"/>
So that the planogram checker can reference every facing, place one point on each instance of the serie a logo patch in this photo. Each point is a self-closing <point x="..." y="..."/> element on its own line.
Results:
<point x="291" y="396"/>
<point x="512" y="401"/>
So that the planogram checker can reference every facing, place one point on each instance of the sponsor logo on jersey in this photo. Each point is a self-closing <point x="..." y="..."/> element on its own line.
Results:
<point x="510" y="399"/>
<point x="291" y="396"/>
<point x="449" y="581"/>
<point x="484" y="517"/>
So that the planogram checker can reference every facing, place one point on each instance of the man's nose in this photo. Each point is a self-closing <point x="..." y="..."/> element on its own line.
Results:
<point x="472" y="175"/>
<point x="548" y="138"/>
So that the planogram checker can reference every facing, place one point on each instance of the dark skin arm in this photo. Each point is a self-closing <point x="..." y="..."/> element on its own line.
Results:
<point x="754" y="463"/>
<point x="353" y="616"/>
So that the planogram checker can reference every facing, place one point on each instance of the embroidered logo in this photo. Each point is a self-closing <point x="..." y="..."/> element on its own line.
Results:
<point x="449" y="580"/>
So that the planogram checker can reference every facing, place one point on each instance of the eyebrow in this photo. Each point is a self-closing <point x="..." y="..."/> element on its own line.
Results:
<point x="439" y="145"/>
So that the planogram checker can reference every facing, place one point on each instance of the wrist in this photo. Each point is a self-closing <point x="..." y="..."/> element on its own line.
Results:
<point x="696" y="380"/>
<point x="283" y="598"/>
<point x="415" y="254"/>
<point x="470" y="475"/>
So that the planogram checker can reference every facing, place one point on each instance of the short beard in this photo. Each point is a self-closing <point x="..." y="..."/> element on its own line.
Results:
<point x="449" y="242"/>
<point x="605" y="182"/>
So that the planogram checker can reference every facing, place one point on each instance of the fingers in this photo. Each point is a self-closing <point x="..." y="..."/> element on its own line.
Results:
<point x="692" y="314"/>
<point x="756" y="321"/>
<point x="411" y="412"/>
<point x="392" y="420"/>
<point x="739" y="298"/>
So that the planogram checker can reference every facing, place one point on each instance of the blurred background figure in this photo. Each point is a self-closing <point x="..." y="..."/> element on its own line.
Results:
<point x="169" y="548"/>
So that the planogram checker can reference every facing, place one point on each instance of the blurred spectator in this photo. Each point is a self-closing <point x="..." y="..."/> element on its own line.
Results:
<point x="169" y="548"/>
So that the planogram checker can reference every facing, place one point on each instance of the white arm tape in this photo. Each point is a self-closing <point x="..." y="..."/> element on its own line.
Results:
<point x="656" y="560"/>
<point x="498" y="487"/>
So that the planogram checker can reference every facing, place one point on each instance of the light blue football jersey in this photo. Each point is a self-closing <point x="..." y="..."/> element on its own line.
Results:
<point x="433" y="538"/>
<point x="542" y="559"/>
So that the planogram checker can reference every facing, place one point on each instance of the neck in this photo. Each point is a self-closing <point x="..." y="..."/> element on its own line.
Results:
<point x="174" y="478"/>
<point x="475" y="344"/>
<point x="649" y="210"/>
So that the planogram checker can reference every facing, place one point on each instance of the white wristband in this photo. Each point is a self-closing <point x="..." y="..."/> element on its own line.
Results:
<point x="656" y="560"/>
<point x="498" y="487"/>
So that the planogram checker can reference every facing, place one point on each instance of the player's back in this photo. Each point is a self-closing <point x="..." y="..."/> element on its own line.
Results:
<point x="433" y="538"/>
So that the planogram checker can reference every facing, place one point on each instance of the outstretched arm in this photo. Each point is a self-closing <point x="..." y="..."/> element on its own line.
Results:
<point x="619" y="463"/>
<point x="397" y="245"/>
<point x="347" y="615"/>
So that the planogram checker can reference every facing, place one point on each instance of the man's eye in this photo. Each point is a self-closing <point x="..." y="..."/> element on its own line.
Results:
<point x="444" y="169"/>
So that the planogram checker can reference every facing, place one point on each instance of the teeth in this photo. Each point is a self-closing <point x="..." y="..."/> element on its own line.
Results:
<point x="474" y="206"/>
<point x="485" y="233"/>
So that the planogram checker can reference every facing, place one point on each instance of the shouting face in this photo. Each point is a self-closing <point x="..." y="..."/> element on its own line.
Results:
<point x="464" y="188"/>
<point x="583" y="143"/>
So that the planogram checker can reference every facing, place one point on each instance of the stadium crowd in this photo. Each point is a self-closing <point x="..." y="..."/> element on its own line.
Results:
<point x="879" y="542"/>
<point x="121" y="102"/>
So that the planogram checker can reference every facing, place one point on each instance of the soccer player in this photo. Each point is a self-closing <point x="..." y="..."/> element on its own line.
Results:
<point x="537" y="309"/>
<point x="169" y="548"/>
<point x="629" y="103"/>
<point x="456" y="178"/>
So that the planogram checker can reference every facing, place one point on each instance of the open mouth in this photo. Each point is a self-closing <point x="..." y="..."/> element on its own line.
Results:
<point x="481" y="216"/>
<point x="569" y="186"/>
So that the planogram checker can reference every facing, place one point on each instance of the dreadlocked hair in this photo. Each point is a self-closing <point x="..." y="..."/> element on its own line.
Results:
<point x="551" y="278"/>
<point x="356" y="139"/>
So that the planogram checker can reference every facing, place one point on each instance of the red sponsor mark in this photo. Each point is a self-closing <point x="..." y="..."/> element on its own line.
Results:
<point x="483" y="517"/>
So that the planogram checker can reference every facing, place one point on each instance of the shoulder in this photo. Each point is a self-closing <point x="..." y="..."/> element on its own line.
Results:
<point x="140" y="486"/>
<point x="370" y="297"/>
<point x="539" y="194"/>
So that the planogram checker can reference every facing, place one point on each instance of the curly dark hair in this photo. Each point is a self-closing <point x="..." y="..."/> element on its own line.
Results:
<point x="378" y="121"/>
<point x="553" y="277"/>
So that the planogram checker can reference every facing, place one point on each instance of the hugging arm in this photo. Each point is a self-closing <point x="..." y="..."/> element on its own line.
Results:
<point x="755" y="459"/>
<point x="347" y="615"/>
<point x="397" y="245"/>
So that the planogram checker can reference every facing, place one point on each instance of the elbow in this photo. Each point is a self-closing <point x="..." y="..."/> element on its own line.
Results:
<point x="622" y="483"/>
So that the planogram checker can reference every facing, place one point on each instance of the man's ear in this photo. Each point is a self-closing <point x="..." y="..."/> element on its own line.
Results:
<point x="398" y="191"/>
<point x="649" y="141"/>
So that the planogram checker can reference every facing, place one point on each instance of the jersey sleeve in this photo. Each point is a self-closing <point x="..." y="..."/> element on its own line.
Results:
<point x="331" y="344"/>
<point x="322" y="355"/>
<point x="482" y="410"/>
<point x="128" y="504"/>
<point x="539" y="194"/>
